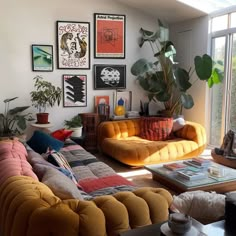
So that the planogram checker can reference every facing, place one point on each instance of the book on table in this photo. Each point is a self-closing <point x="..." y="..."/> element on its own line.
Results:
<point x="201" y="161"/>
<point x="191" y="175"/>
<point x="175" y="166"/>
<point x="192" y="163"/>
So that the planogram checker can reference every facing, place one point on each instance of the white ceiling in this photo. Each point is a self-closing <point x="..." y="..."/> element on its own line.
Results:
<point x="170" y="11"/>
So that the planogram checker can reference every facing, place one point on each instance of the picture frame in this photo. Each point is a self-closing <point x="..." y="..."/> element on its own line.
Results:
<point x="126" y="96"/>
<point x="73" y="45"/>
<point x="101" y="99"/>
<point x="74" y="90"/>
<point x="109" y="35"/>
<point x="107" y="76"/>
<point x="42" y="57"/>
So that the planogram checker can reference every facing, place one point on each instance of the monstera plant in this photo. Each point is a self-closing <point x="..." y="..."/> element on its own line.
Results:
<point x="163" y="80"/>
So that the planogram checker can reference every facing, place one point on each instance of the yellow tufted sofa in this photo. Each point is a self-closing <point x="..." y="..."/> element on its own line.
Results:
<point x="120" y="140"/>
<point x="29" y="208"/>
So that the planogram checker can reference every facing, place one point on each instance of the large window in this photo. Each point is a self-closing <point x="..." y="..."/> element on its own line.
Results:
<point x="223" y="96"/>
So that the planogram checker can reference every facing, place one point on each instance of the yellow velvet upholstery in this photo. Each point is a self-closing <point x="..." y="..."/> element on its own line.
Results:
<point x="120" y="140"/>
<point x="29" y="208"/>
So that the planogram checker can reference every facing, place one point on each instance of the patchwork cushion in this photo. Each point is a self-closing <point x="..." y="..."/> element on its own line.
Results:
<point x="40" y="142"/>
<point x="61" y="134"/>
<point x="156" y="128"/>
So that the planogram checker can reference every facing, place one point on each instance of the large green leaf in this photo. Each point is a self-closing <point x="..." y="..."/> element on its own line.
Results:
<point x="187" y="101"/>
<point x="141" y="66"/>
<point x="21" y="122"/>
<point x="17" y="110"/>
<point x="163" y="96"/>
<point x="203" y="66"/>
<point x="182" y="79"/>
<point x="9" y="99"/>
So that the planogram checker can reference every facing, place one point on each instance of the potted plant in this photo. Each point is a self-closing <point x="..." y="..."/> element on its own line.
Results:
<point x="163" y="80"/>
<point x="12" y="122"/>
<point x="75" y="124"/>
<point x="45" y="95"/>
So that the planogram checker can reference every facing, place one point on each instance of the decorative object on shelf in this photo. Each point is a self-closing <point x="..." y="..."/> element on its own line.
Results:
<point x="75" y="124"/>
<point x="42" y="57"/>
<point x="74" y="90"/>
<point x="126" y="97"/>
<point x="12" y="121"/>
<point x="73" y="45"/>
<point x="179" y="223"/>
<point x="109" y="76"/>
<point x="109" y="33"/>
<point x="45" y="94"/>
<point x="163" y="80"/>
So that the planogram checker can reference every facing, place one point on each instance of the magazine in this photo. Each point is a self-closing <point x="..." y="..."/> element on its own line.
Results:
<point x="191" y="175"/>
<point x="201" y="161"/>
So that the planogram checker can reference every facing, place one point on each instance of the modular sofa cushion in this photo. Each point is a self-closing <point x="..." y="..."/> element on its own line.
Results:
<point x="40" y="142"/>
<point x="156" y="128"/>
<point x="61" y="134"/>
<point x="61" y="185"/>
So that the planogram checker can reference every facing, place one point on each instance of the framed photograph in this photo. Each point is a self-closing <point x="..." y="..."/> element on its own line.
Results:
<point x="42" y="57"/>
<point x="109" y="33"/>
<point x="74" y="90"/>
<point x="109" y="76"/>
<point x="123" y="97"/>
<point x="73" y="45"/>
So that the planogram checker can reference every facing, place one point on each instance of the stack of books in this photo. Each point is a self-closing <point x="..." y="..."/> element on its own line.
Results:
<point x="132" y="114"/>
<point x="201" y="161"/>
<point x="175" y="166"/>
<point x="191" y="175"/>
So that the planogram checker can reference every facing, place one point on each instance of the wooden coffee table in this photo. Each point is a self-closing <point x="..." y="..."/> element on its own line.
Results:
<point x="172" y="180"/>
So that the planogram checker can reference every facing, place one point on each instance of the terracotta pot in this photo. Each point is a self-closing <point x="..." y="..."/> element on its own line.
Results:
<point x="42" y="118"/>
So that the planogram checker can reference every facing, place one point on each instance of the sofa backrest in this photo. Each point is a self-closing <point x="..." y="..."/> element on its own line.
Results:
<point x="13" y="160"/>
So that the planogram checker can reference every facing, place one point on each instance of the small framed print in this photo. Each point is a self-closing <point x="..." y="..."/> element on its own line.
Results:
<point x="109" y="76"/>
<point x="109" y="33"/>
<point x="42" y="57"/>
<point x="74" y="90"/>
<point x="125" y="97"/>
<point x="73" y="45"/>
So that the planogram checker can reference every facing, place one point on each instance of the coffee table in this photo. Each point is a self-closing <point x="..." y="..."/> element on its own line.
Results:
<point x="172" y="180"/>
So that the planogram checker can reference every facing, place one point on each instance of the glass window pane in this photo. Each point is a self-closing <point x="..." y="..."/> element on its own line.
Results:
<point x="218" y="53"/>
<point x="233" y="20"/>
<point x="219" y="23"/>
<point x="233" y="87"/>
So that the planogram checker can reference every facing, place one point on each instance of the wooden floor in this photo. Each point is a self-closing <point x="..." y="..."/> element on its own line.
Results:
<point x="139" y="176"/>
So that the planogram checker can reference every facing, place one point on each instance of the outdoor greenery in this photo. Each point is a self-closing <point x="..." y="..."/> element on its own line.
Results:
<point x="163" y="80"/>
<point x="74" y="122"/>
<point x="45" y="94"/>
<point x="12" y="122"/>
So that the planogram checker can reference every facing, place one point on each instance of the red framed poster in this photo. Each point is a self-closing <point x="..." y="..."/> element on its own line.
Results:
<point x="109" y="31"/>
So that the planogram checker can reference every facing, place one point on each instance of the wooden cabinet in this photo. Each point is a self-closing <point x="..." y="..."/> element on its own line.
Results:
<point x="90" y="124"/>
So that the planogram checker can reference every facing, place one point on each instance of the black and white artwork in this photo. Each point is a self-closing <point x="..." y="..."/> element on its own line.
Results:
<point x="109" y="76"/>
<point x="74" y="90"/>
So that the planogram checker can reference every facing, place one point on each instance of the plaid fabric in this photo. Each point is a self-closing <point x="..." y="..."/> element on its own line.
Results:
<point x="155" y="128"/>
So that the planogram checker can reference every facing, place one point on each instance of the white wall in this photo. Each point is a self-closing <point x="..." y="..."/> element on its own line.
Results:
<point x="190" y="39"/>
<point x="28" y="22"/>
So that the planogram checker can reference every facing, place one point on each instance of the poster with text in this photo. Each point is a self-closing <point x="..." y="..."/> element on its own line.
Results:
<point x="73" y="45"/>
<point x="109" y="31"/>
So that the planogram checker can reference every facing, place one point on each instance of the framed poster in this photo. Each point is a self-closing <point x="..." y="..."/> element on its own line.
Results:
<point x="73" y="45"/>
<point x="74" y="90"/>
<point x="101" y="100"/>
<point x="42" y="57"/>
<point x="125" y="97"/>
<point x="109" y="33"/>
<point x="109" y="76"/>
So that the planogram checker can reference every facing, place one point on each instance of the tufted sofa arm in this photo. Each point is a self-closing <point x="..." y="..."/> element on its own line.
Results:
<point x="29" y="208"/>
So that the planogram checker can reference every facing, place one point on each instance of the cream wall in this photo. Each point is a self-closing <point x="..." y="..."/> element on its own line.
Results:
<point x="191" y="39"/>
<point x="28" y="22"/>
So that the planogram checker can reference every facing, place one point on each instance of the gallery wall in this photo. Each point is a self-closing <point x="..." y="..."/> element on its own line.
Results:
<point x="28" y="22"/>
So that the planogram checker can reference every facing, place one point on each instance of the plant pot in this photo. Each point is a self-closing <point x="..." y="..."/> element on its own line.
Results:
<point x="77" y="132"/>
<point x="42" y="118"/>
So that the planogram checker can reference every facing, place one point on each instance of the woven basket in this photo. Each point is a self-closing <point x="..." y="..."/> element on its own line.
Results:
<point x="222" y="160"/>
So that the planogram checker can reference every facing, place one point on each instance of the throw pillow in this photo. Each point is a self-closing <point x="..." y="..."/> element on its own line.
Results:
<point x="61" y="134"/>
<point x="178" y="123"/>
<point x="41" y="141"/>
<point x="60" y="185"/>
<point x="155" y="128"/>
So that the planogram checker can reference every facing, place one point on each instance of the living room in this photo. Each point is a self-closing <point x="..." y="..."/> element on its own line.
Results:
<point x="35" y="23"/>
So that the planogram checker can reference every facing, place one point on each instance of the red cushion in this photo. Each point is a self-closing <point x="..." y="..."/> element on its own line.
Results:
<point x="61" y="134"/>
<point x="156" y="128"/>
